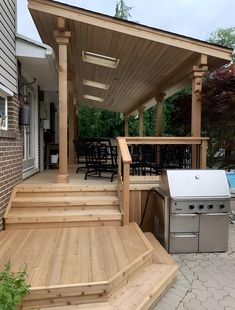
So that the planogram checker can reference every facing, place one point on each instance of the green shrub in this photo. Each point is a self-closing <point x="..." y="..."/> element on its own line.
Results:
<point x="13" y="288"/>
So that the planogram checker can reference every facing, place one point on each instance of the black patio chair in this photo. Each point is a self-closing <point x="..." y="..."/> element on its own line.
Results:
<point x="135" y="166"/>
<point x="101" y="157"/>
<point x="80" y="151"/>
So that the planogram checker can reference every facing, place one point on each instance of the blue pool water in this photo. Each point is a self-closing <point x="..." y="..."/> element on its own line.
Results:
<point x="231" y="179"/>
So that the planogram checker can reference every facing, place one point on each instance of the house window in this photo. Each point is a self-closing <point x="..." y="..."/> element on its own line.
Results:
<point x="3" y="112"/>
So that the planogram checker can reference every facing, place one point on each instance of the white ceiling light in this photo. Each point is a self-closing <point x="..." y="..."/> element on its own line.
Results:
<point x="100" y="60"/>
<point x="94" y="98"/>
<point x="95" y="84"/>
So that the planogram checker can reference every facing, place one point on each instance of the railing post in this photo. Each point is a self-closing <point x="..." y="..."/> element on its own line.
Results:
<point x="124" y="156"/>
<point x="126" y="193"/>
<point x="119" y="163"/>
<point x="203" y="154"/>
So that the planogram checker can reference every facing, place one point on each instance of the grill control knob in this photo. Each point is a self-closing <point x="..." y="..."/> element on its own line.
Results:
<point x="201" y="206"/>
<point x="191" y="207"/>
<point x="210" y="206"/>
<point x="221" y="205"/>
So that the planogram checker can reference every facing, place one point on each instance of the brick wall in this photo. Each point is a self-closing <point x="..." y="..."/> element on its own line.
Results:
<point x="10" y="155"/>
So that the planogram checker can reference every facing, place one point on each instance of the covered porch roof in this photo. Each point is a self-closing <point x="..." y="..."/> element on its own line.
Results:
<point x="142" y="61"/>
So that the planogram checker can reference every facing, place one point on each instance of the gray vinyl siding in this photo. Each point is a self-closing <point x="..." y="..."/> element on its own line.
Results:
<point x="8" y="63"/>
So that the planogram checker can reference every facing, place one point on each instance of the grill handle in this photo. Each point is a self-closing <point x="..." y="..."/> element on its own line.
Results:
<point x="183" y="215"/>
<point x="184" y="235"/>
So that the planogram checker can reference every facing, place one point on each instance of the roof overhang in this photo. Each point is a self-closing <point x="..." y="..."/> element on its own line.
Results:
<point x="37" y="61"/>
<point x="148" y="60"/>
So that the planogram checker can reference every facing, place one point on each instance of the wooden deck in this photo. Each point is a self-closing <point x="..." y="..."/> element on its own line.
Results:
<point x="49" y="176"/>
<point x="71" y="238"/>
<point x="84" y="264"/>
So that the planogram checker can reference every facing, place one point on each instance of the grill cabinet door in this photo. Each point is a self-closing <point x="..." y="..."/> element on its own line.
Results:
<point x="213" y="233"/>
<point x="183" y="243"/>
<point x="184" y="223"/>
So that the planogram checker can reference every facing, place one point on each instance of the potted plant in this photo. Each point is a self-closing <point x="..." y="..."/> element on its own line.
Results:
<point x="13" y="288"/>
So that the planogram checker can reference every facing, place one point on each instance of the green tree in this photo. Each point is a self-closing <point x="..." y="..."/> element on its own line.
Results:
<point x="223" y="36"/>
<point x="122" y="11"/>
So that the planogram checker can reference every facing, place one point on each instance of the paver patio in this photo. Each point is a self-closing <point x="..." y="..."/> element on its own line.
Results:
<point x="206" y="281"/>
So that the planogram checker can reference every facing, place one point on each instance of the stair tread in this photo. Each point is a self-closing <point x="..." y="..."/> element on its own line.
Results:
<point x="143" y="289"/>
<point x="66" y="198"/>
<point x="62" y="187"/>
<point x="47" y="218"/>
<point x="62" y="212"/>
<point x="64" y="201"/>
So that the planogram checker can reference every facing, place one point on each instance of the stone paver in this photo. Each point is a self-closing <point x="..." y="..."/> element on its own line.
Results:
<point x="206" y="281"/>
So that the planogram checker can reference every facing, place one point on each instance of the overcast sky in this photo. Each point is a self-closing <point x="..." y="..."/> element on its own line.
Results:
<point x="194" y="18"/>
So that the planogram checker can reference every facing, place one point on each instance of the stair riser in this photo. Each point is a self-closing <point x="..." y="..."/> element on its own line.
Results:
<point x="37" y="204"/>
<point x="37" y="218"/>
<point x="66" y="194"/>
<point x="29" y="209"/>
<point x="63" y="224"/>
<point x="63" y="301"/>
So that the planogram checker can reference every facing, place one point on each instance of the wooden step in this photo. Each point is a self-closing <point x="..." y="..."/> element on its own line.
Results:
<point x="35" y="209"/>
<point x="64" y="201"/>
<point x="68" y="218"/>
<point x="45" y="193"/>
<point x="65" y="188"/>
<point x="145" y="289"/>
<point x="93" y="306"/>
<point x="76" y="265"/>
<point x="160" y="255"/>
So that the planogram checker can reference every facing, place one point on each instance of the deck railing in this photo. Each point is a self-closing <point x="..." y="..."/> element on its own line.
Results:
<point x="124" y="161"/>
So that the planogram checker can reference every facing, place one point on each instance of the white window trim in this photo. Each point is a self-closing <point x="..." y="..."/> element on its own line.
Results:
<point x="5" y="127"/>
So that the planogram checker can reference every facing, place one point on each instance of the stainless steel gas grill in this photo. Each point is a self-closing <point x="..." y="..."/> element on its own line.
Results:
<point x="191" y="211"/>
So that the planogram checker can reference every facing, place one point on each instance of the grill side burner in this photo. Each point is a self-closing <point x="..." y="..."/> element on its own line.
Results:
<point x="191" y="212"/>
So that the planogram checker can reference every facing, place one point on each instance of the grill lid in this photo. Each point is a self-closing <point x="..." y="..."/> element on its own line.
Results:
<point x="197" y="184"/>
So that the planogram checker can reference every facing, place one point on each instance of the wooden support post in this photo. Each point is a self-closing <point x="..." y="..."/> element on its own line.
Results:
<point x="198" y="72"/>
<point x="203" y="154"/>
<point x="159" y="98"/>
<point x="127" y="125"/>
<point x="62" y="38"/>
<point x="126" y="193"/>
<point x="71" y="132"/>
<point x="141" y="120"/>
<point x="75" y="115"/>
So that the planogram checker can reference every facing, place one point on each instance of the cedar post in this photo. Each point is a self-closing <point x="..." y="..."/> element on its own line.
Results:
<point x="62" y="38"/>
<point x="127" y="125"/>
<point x="76" y="116"/>
<point x="141" y="120"/>
<point x="72" y="120"/>
<point x="159" y="98"/>
<point x="198" y="72"/>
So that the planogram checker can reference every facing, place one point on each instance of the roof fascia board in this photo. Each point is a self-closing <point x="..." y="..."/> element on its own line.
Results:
<point x="140" y="31"/>
<point x="34" y="42"/>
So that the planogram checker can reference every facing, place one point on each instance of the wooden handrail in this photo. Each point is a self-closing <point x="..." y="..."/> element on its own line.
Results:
<point x="124" y="151"/>
<point x="165" y="140"/>
<point x="125" y="157"/>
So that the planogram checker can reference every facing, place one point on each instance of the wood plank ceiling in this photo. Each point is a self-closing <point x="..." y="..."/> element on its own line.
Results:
<point x="145" y="67"/>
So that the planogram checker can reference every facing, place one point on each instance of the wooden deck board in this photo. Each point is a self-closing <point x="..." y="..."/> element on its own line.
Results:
<point x="59" y="256"/>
